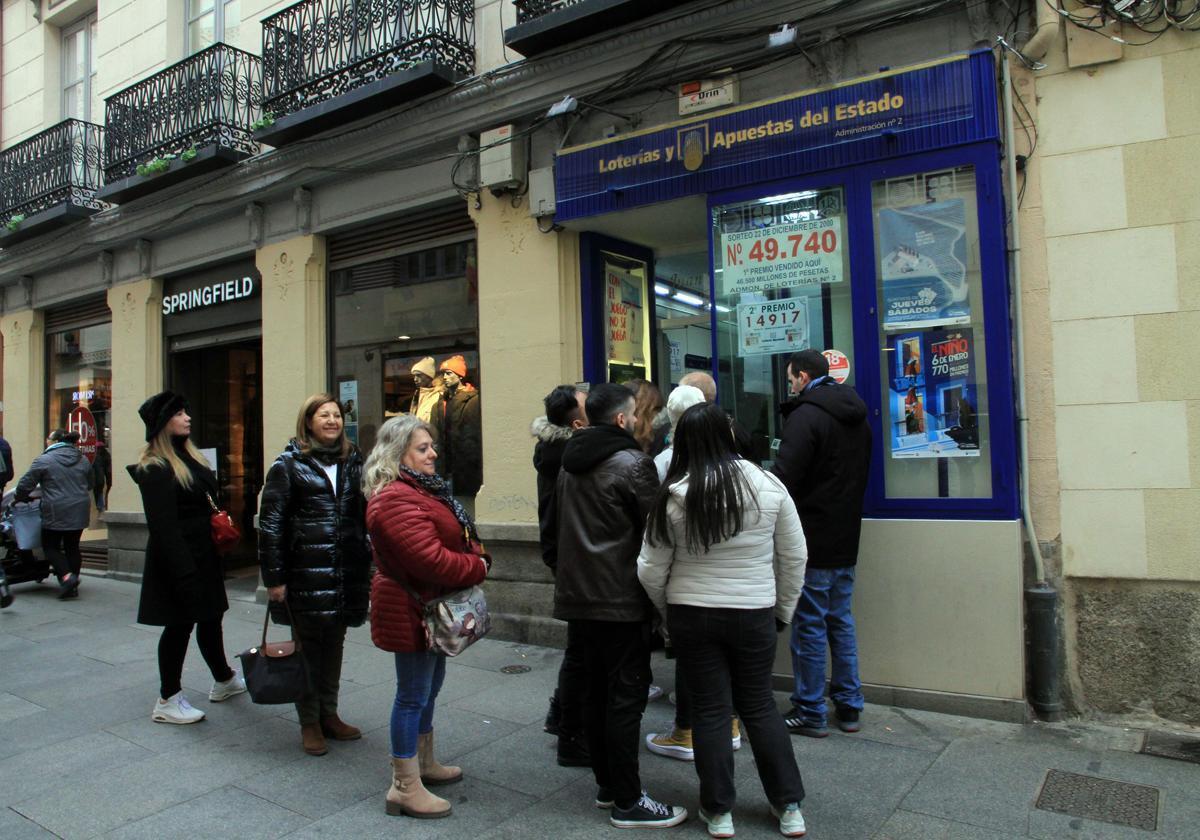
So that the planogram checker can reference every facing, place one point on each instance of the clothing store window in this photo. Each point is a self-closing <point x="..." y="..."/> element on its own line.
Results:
<point x="934" y="388"/>
<point x="406" y="340"/>
<point x="212" y="21"/>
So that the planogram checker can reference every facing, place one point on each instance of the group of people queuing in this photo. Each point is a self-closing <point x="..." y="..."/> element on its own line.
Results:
<point x="657" y="518"/>
<point x="325" y="514"/>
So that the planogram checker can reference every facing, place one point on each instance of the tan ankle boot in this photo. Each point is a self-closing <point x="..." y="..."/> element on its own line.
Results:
<point x="312" y="740"/>
<point x="408" y="797"/>
<point x="433" y="773"/>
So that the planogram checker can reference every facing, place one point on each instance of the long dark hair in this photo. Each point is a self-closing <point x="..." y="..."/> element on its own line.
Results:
<point x="717" y="493"/>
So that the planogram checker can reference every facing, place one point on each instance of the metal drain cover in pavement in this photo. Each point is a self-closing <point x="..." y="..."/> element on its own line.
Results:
<point x="1172" y="745"/>
<point x="1093" y="798"/>
<point x="515" y="669"/>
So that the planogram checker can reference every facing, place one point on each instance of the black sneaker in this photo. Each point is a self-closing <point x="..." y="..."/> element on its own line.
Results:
<point x="798" y="724"/>
<point x="553" y="716"/>
<point x="847" y="719"/>
<point x="647" y="812"/>
<point x="573" y="751"/>
<point x="604" y="798"/>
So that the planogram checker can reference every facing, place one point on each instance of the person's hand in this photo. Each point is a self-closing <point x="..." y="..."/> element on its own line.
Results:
<point x="487" y="561"/>
<point x="780" y="625"/>
<point x="277" y="593"/>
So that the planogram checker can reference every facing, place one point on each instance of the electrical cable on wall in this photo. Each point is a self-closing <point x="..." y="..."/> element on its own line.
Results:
<point x="1154" y="17"/>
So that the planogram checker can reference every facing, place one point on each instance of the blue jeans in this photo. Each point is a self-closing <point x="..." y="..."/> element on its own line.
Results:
<point x="419" y="678"/>
<point x="823" y="618"/>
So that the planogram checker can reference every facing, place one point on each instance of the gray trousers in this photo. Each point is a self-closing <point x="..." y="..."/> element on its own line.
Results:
<point x="321" y="645"/>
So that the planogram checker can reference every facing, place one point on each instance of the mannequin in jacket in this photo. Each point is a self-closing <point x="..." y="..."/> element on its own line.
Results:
<point x="459" y="437"/>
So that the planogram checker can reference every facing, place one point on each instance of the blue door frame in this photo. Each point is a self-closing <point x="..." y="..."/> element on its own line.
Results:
<point x="591" y="290"/>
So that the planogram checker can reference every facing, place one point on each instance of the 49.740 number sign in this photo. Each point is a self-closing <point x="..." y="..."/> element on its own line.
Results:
<point x="783" y="256"/>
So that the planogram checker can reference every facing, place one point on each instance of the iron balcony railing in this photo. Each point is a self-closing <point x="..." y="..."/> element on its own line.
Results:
<point x="318" y="50"/>
<point x="208" y="99"/>
<point x="61" y="165"/>
<point x="528" y="10"/>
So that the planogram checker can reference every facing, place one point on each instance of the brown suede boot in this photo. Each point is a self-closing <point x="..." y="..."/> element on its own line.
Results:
<point x="312" y="740"/>
<point x="433" y="773"/>
<point x="408" y="797"/>
<point x="337" y="729"/>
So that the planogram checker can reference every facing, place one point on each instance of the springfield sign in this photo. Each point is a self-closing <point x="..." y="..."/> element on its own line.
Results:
<point x="927" y="105"/>
<point x="209" y="295"/>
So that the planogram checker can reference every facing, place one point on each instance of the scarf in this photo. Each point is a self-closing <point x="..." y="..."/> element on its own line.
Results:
<point x="326" y="454"/>
<point x="434" y="485"/>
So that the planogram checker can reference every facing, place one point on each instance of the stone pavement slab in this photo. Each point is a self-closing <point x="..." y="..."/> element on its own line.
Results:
<point x="80" y="758"/>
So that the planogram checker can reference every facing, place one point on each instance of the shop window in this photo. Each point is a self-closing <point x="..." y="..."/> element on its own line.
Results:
<point x="80" y="377"/>
<point x="933" y="363"/>
<point x="781" y="270"/>
<point x="629" y="310"/>
<point x="682" y="306"/>
<point x="389" y="315"/>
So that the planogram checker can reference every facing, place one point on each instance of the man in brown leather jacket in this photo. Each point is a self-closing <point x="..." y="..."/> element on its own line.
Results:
<point x="605" y="491"/>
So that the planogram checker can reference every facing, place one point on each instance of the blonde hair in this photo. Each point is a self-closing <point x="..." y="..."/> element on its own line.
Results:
<point x="309" y="410"/>
<point x="391" y="442"/>
<point x="161" y="452"/>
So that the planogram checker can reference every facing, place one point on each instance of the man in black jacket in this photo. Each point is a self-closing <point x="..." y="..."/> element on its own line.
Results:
<point x="605" y="491"/>
<point x="565" y="414"/>
<point x="824" y="457"/>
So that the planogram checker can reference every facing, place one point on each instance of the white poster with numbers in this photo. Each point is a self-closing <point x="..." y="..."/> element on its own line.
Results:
<point x="773" y="326"/>
<point x="783" y="256"/>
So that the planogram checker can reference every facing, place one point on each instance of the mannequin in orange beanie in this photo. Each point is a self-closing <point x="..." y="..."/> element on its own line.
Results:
<point x="461" y="449"/>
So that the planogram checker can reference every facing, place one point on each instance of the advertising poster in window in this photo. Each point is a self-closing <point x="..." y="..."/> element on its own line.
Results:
<point x="924" y="265"/>
<point x="348" y="397"/>
<point x="773" y="326"/>
<point x="626" y="317"/>
<point x="782" y="256"/>
<point x="934" y="402"/>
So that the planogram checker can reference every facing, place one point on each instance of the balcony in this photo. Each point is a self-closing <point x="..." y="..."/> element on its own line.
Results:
<point x="329" y="62"/>
<point x="50" y="180"/>
<point x="194" y="117"/>
<point x="543" y="25"/>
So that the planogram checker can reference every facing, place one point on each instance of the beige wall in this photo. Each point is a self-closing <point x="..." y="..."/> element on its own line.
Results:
<point x="492" y="17"/>
<point x="1119" y="193"/>
<point x="24" y="386"/>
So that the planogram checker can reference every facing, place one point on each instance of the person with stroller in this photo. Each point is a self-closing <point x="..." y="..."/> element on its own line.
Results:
<point x="64" y="476"/>
<point x="183" y="583"/>
<point x="312" y="547"/>
<point x="723" y="561"/>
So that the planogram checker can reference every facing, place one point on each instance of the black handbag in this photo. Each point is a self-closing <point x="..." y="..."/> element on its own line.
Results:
<point x="275" y="672"/>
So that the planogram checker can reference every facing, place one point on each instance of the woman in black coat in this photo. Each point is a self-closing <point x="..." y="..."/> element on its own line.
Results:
<point x="313" y="550"/>
<point x="183" y="584"/>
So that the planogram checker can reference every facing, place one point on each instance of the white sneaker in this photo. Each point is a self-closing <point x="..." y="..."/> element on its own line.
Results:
<point x="176" y="709"/>
<point x="719" y="825"/>
<point x="791" y="821"/>
<point x="224" y="690"/>
<point x="653" y="694"/>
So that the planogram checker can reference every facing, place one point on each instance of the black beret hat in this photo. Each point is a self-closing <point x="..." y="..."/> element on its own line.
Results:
<point x="157" y="411"/>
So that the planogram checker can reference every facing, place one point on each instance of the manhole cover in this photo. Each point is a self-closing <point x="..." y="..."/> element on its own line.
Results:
<point x="1093" y="798"/>
<point x="515" y="669"/>
<point x="1172" y="745"/>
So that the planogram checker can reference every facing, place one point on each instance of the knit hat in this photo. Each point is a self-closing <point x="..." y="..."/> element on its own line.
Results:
<point x="426" y="366"/>
<point x="157" y="411"/>
<point x="457" y="364"/>
<point x="681" y="399"/>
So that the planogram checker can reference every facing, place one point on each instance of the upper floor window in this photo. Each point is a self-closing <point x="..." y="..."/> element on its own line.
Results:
<point x="210" y="21"/>
<point x="79" y="72"/>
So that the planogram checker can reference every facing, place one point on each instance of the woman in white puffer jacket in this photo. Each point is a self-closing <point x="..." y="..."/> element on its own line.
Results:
<point x="723" y="561"/>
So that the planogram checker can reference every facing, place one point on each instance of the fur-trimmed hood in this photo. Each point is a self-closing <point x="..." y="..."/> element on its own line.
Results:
<point x="547" y="432"/>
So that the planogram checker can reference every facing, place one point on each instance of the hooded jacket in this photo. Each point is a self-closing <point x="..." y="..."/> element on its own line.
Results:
<point x="547" y="460"/>
<point x="760" y="566"/>
<point x="604" y="493"/>
<point x="314" y="540"/>
<point x="65" y="476"/>
<point x="824" y="457"/>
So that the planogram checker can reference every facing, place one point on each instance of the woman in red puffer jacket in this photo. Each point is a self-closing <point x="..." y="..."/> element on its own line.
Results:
<point x="424" y="542"/>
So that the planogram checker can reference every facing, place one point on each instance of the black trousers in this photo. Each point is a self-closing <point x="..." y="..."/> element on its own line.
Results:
<point x="572" y="685"/>
<point x="726" y="657"/>
<point x="62" y="551"/>
<point x="616" y="661"/>
<point x="172" y="648"/>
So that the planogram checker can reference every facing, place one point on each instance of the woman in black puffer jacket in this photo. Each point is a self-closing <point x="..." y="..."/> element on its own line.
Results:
<point x="312" y="546"/>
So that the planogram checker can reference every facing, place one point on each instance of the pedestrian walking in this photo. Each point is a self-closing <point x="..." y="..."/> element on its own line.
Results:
<point x="604" y="492"/>
<point x="723" y="561"/>
<point x="312" y="547"/>
<point x="183" y="585"/>
<point x="426" y="546"/>
<point x="101" y="476"/>
<point x="565" y="415"/>
<point x="64" y="477"/>
<point x="824" y="457"/>
<point x="6" y="464"/>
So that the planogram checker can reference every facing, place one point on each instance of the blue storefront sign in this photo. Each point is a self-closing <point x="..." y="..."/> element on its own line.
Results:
<point x="943" y="103"/>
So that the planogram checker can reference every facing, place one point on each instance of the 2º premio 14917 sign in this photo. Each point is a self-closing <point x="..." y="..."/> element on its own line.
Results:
<point x="783" y="256"/>
<point x="773" y="326"/>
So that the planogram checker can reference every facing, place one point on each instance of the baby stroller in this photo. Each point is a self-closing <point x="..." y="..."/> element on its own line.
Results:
<point x="20" y="534"/>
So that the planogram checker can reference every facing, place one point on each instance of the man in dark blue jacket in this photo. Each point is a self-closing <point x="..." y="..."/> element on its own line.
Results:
<point x="824" y="457"/>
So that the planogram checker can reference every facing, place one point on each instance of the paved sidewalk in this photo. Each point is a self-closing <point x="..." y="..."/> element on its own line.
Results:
<point x="79" y="756"/>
